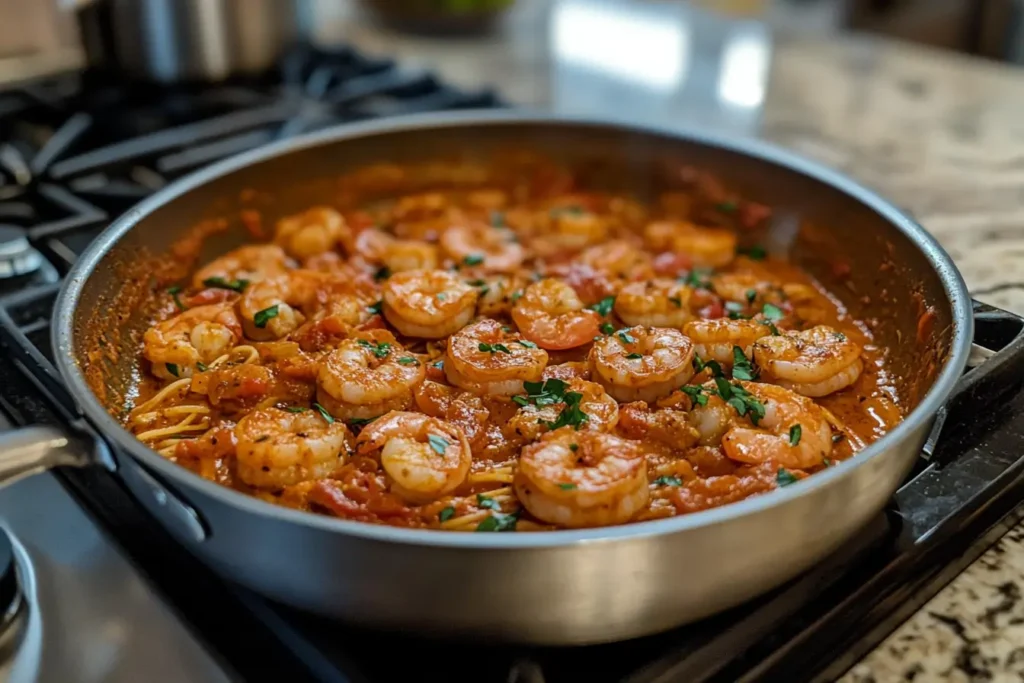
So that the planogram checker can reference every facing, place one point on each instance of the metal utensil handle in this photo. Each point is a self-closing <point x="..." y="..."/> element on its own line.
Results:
<point x="33" y="450"/>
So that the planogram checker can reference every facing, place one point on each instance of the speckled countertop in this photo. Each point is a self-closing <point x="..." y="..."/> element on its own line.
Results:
<point x="943" y="136"/>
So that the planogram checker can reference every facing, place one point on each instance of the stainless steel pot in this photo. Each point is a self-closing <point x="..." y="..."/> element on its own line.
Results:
<point x="190" y="40"/>
<point x="561" y="587"/>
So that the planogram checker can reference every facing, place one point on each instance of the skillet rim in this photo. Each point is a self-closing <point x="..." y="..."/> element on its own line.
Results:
<point x="952" y="282"/>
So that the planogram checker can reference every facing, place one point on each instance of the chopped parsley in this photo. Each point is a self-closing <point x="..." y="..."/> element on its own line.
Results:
<point x="376" y="308"/>
<point x="265" y="316"/>
<point x="742" y="368"/>
<point x="771" y="326"/>
<point x="201" y="366"/>
<point x="175" y="291"/>
<point x="574" y="447"/>
<point x="772" y="312"/>
<point x="626" y="337"/>
<point x="172" y="368"/>
<point x="295" y="409"/>
<point x="666" y="480"/>
<point x="604" y="306"/>
<point x="516" y="296"/>
<point x="379" y="349"/>
<point x="487" y="503"/>
<point x="840" y="336"/>
<point x="607" y="328"/>
<point x="794" y="435"/>
<point x="712" y="365"/>
<point x="740" y="399"/>
<point x="484" y="287"/>
<point x="408" y="360"/>
<point x="441" y="296"/>
<point x="677" y="301"/>
<point x="438" y="443"/>
<point x="827" y="462"/>
<point x="572" y="415"/>
<point x="525" y="342"/>
<point x="784" y="477"/>
<point x="751" y="295"/>
<point x="696" y="394"/>
<point x="323" y="413"/>
<point x="439" y="364"/>
<point x="473" y="260"/>
<point x="698" y="278"/>
<point x="755" y="253"/>
<point x="567" y="486"/>
<point x="446" y="514"/>
<point x="499" y="522"/>
<point x="493" y="348"/>
<point x="236" y="285"/>
<point x="361" y="421"/>
<point x="383" y="273"/>
<point x="551" y="392"/>
<point x="634" y="356"/>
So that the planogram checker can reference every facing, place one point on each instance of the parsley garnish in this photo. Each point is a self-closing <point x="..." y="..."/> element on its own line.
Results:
<point x="295" y="409"/>
<point x="742" y="368"/>
<point x="361" y="421"/>
<point x="487" y="503"/>
<point x="666" y="480"/>
<point x="574" y="447"/>
<point x="545" y="393"/>
<point x="604" y="306"/>
<point x="379" y="349"/>
<point x="493" y="348"/>
<point x="439" y="364"/>
<point x="201" y="366"/>
<point x="174" y="292"/>
<point x="499" y="522"/>
<point x="755" y="253"/>
<point x="323" y="413"/>
<point x="263" y="317"/>
<point x="446" y="514"/>
<point x="712" y="365"/>
<point x="772" y="312"/>
<point x="626" y="337"/>
<point x="383" y="273"/>
<point x="771" y="326"/>
<point x="827" y="462"/>
<point x="376" y="308"/>
<point x="172" y="368"/>
<point x="677" y="301"/>
<point x="572" y="415"/>
<point x="784" y="477"/>
<point x="840" y="336"/>
<point x="607" y="328"/>
<point x="696" y="394"/>
<point x="751" y="295"/>
<point x="441" y="296"/>
<point x="634" y="356"/>
<point x="525" y="342"/>
<point x="408" y="360"/>
<point x="698" y="278"/>
<point x="438" y="443"/>
<point x="550" y="392"/>
<point x="473" y="260"/>
<point x="567" y="487"/>
<point x="236" y="285"/>
<point x="740" y="399"/>
<point x="794" y="435"/>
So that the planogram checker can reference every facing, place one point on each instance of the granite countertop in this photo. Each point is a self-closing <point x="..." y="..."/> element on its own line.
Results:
<point x="940" y="134"/>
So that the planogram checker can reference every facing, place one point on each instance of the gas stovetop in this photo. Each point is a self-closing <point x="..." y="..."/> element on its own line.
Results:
<point x="77" y="150"/>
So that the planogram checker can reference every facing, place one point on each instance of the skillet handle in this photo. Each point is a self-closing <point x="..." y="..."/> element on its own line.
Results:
<point x="995" y="367"/>
<point x="33" y="450"/>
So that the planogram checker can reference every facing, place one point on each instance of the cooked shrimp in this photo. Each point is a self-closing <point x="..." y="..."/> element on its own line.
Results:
<point x="198" y="335"/>
<point x="747" y="287"/>
<point x="482" y="246"/>
<point x="277" y="448"/>
<point x="365" y="378"/>
<point x="485" y="359"/>
<point x="707" y="247"/>
<point x="568" y="229"/>
<point x="430" y="304"/>
<point x="498" y="294"/>
<point x="551" y="314"/>
<point x="600" y="410"/>
<point x="715" y="339"/>
<point x="424" y="457"/>
<point x="814" y="362"/>
<point x="618" y="259"/>
<point x="402" y="255"/>
<point x="312" y="232"/>
<point x="582" y="479"/>
<point x="673" y="428"/>
<point x="642" y="363"/>
<point x="654" y="303"/>
<point x="793" y="433"/>
<point x="252" y="264"/>
<point x="275" y="307"/>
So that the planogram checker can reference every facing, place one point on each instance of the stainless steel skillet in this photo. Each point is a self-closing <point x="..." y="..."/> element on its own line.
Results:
<point x="564" y="587"/>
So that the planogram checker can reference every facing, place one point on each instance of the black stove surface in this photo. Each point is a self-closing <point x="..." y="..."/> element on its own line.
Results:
<point x="77" y="150"/>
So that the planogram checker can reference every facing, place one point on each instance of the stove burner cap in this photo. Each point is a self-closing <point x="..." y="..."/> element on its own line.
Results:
<point x="17" y="256"/>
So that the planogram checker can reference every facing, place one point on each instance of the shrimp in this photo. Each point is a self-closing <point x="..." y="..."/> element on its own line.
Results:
<point x="402" y="255"/>
<point x="176" y="346"/>
<point x="582" y="479"/>
<point x="814" y="362"/>
<point x="619" y="259"/>
<point x="274" y="308"/>
<point x="716" y="339"/>
<point x="251" y="264"/>
<point x="365" y="378"/>
<point x="642" y="363"/>
<point x="485" y="359"/>
<point x="425" y="458"/>
<point x="312" y="232"/>
<point x="277" y="448"/>
<point x="674" y="428"/>
<point x="430" y="304"/>
<point x="569" y="229"/>
<point x="794" y="432"/>
<point x="551" y="314"/>
<point x="491" y="249"/>
<point x="600" y="409"/>
<point x="654" y="303"/>
<point x="498" y="294"/>
<point x="707" y="247"/>
<point x="747" y="287"/>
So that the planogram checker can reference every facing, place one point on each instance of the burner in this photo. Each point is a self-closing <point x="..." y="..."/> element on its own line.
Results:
<point x="17" y="257"/>
<point x="11" y="612"/>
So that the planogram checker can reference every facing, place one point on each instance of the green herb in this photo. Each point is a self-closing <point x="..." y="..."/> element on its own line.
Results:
<point x="696" y="394"/>
<point x="482" y="284"/>
<point x="441" y="296"/>
<point x="545" y="393"/>
<point x="379" y="349"/>
<point x="521" y="401"/>
<point x="487" y="503"/>
<point x="376" y="308"/>
<point x="408" y="360"/>
<point x="439" y="364"/>
<point x="361" y="421"/>
<point x="740" y="399"/>
<point x="383" y="273"/>
<point x="438" y="443"/>
<point x="527" y="343"/>
<point x="751" y="295"/>
<point x="836" y="438"/>
<point x="567" y="487"/>
<point x="607" y="328"/>
<point x="755" y="253"/>
<point x="446" y="514"/>
<point x="784" y="477"/>
<point x="794" y="435"/>
<point x="323" y="413"/>
<point x="172" y="368"/>
<point x="666" y="480"/>
<point x="201" y="366"/>
<point x="265" y="316"/>
<point x="497" y="219"/>
<point x="677" y="301"/>
<point x="473" y="260"/>
<point x="712" y="365"/>
<point x="728" y="206"/>
<point x="626" y="337"/>
<point x="236" y="285"/>
<point x="771" y="326"/>
<point x="493" y="348"/>
<point x="742" y="368"/>
<point x="772" y="312"/>
<point x="174" y="292"/>
<point x="604" y="306"/>
<point x="572" y="415"/>
<point x="295" y="409"/>
<point x="574" y="447"/>
<point x="827" y="462"/>
<point x="698" y="278"/>
<point x="840" y="336"/>
<point x="516" y="296"/>
<point x="634" y="356"/>
<point x="499" y="522"/>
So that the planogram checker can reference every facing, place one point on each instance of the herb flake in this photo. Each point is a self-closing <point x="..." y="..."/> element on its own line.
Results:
<point x="236" y="285"/>
<point x="265" y="316"/>
<point x="742" y="368"/>
<point x="784" y="477"/>
<point x="604" y="306"/>
<point x="438" y="443"/>
<point x="667" y="480"/>
<point x="323" y="413"/>
<point x="794" y="435"/>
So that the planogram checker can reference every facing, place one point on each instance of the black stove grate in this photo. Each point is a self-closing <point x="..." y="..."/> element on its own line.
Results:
<point x="76" y="150"/>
